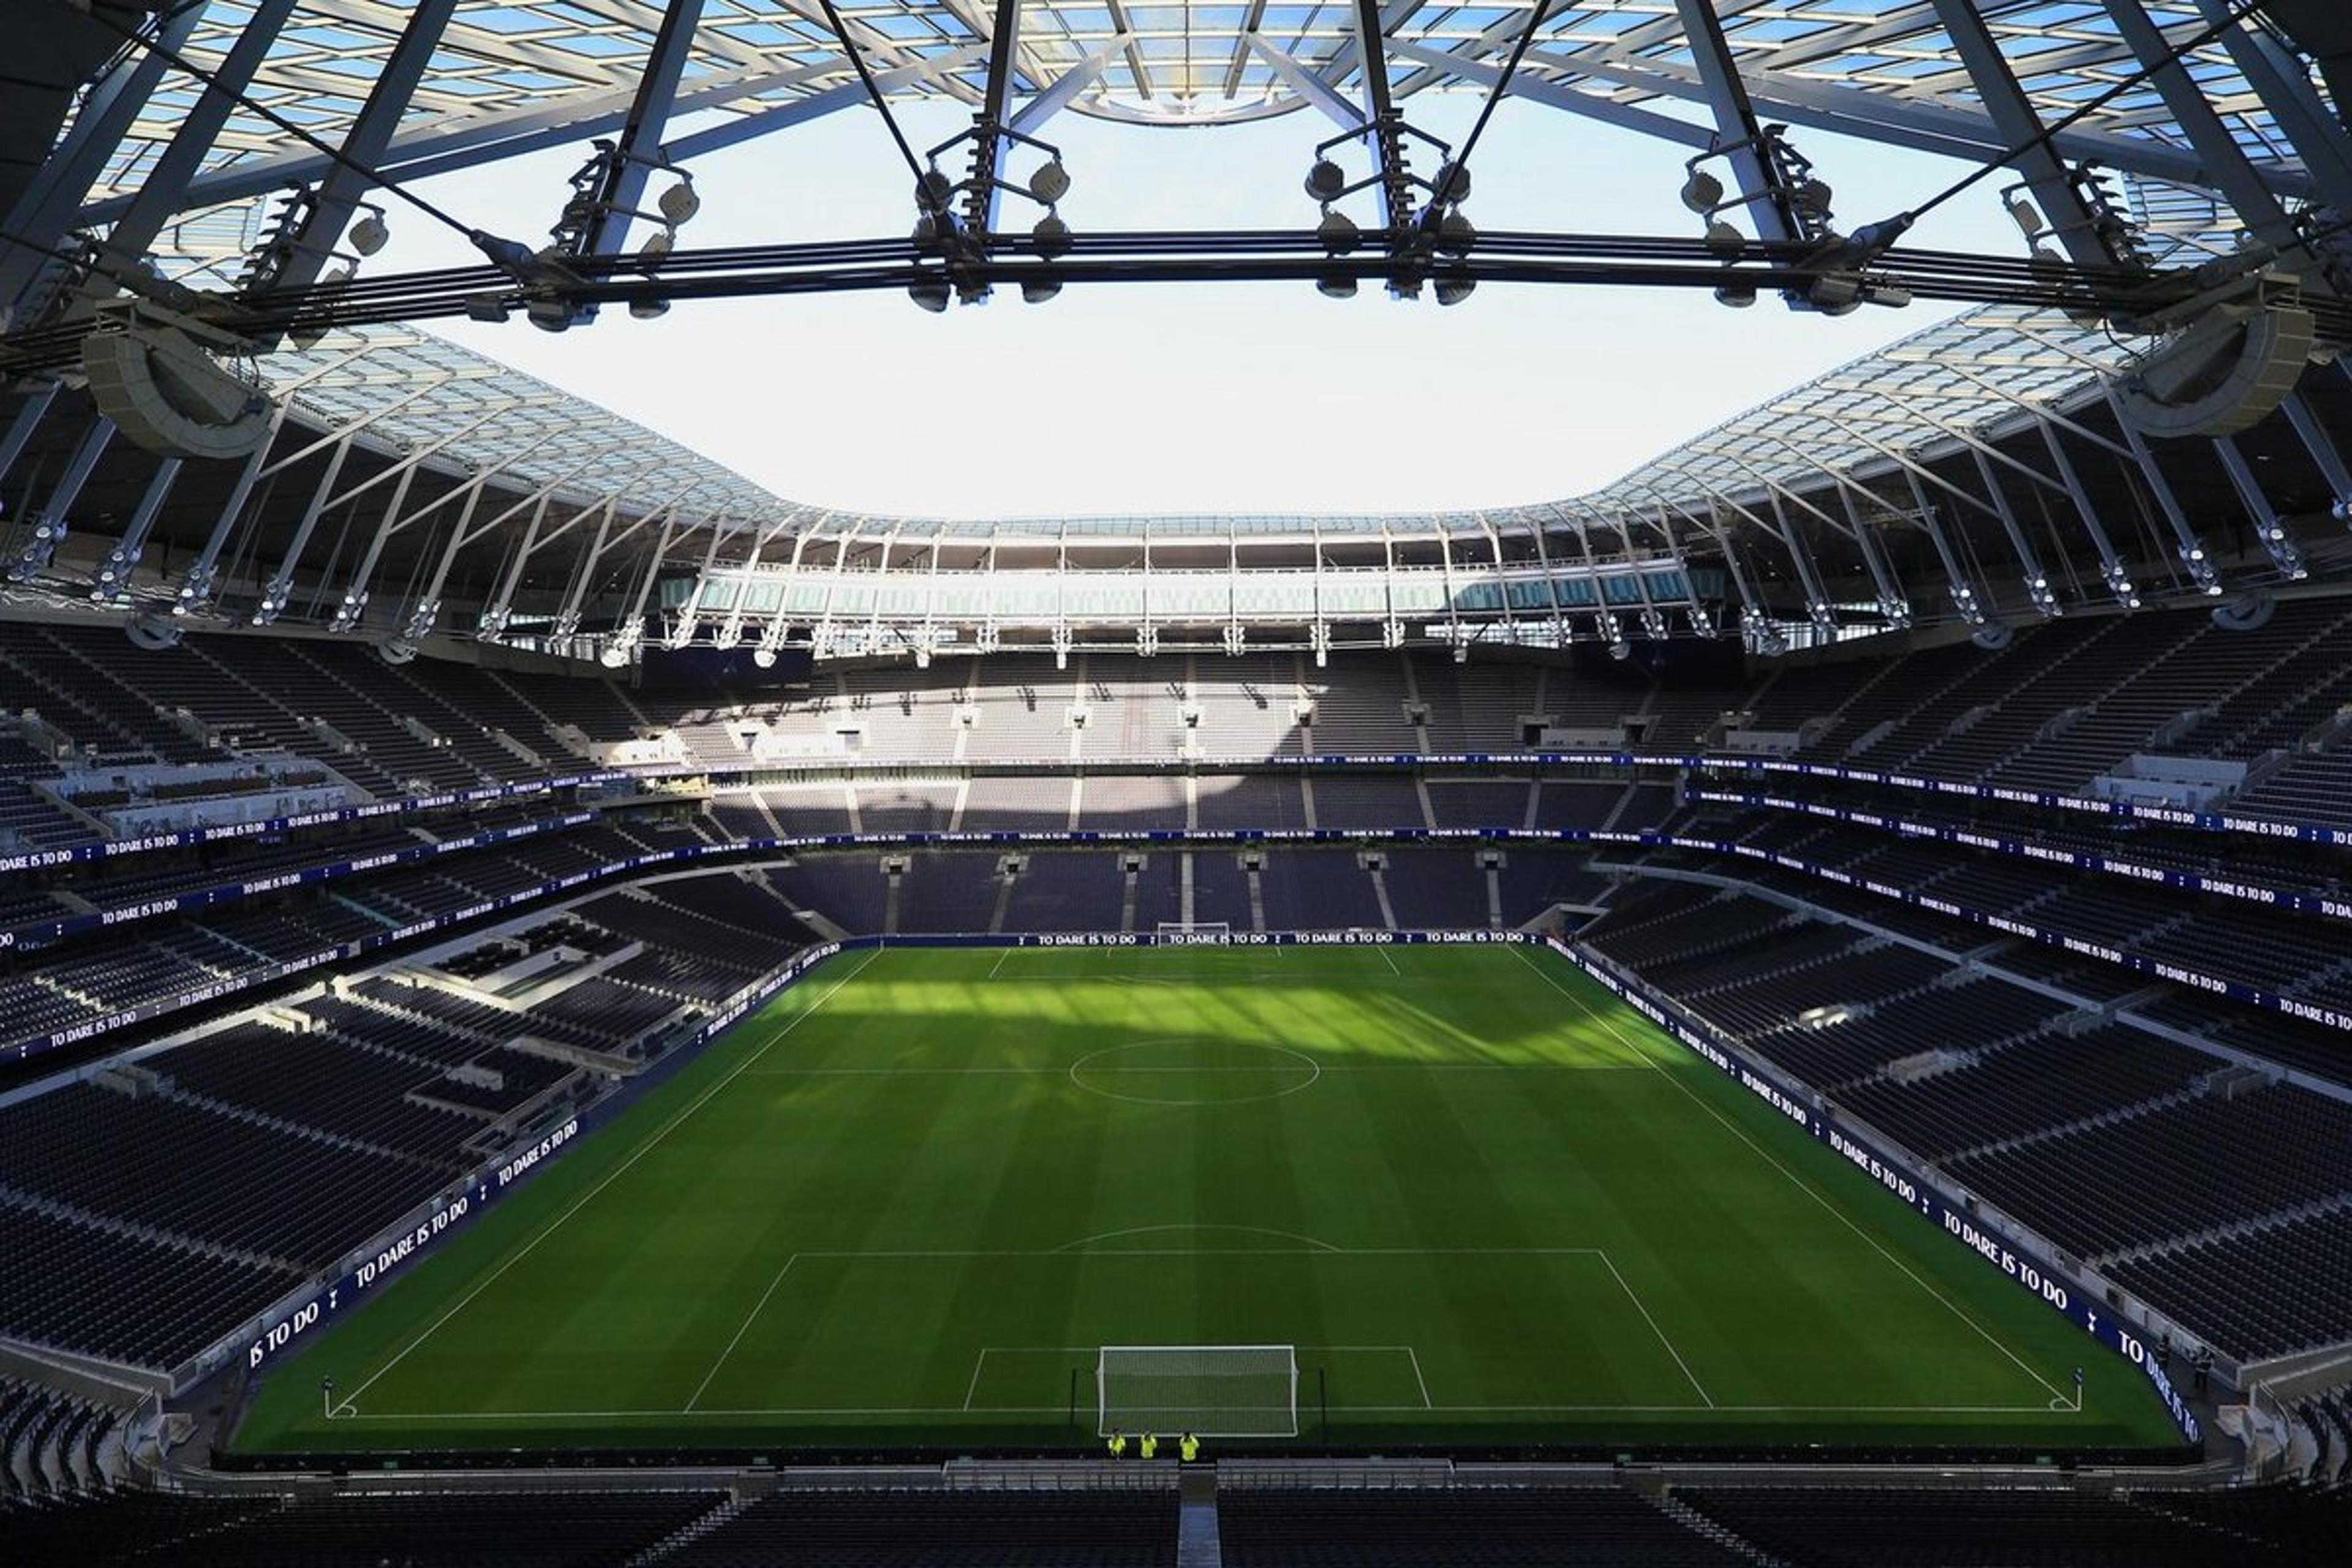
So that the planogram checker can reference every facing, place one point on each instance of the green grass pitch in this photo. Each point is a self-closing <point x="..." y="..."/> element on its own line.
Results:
<point x="1486" y="1202"/>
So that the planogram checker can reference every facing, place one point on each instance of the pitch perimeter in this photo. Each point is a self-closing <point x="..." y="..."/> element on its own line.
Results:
<point x="1487" y="1202"/>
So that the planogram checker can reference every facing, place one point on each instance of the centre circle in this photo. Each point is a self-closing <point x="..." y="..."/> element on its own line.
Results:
<point x="1194" y="1071"/>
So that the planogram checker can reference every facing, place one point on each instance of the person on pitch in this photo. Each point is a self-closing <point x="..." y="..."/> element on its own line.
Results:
<point x="1150" y="1446"/>
<point x="1118" y="1443"/>
<point x="1188" y="1448"/>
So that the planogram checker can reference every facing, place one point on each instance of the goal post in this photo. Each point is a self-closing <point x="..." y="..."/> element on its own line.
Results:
<point x="1211" y="1391"/>
<point x="1196" y="927"/>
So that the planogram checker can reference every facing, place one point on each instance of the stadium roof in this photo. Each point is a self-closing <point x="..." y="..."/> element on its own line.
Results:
<point x="429" y="90"/>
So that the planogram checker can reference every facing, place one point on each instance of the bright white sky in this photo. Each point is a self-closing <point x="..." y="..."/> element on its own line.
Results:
<point x="1200" y="397"/>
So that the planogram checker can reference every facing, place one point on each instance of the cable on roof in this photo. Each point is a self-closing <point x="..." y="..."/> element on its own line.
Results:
<point x="873" y="89"/>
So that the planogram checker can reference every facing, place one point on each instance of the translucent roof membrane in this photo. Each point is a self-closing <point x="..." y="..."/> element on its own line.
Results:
<point x="511" y="75"/>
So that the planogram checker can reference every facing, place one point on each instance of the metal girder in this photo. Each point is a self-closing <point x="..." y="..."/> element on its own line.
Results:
<point x="1380" y="134"/>
<point x="2324" y="452"/>
<point x="164" y="186"/>
<point x="338" y="195"/>
<point x="432" y="148"/>
<point x="1553" y="95"/>
<point x="79" y="468"/>
<point x="1326" y="99"/>
<point x="1768" y="204"/>
<point x="280" y="586"/>
<point x="768" y="120"/>
<point x="2268" y="525"/>
<point x="990" y="145"/>
<point x="1064" y="90"/>
<point x="20" y="429"/>
<point x="1964" y="593"/>
<point x="2037" y="579"/>
<point x="2072" y="220"/>
<point x="2226" y="165"/>
<point x="623" y="186"/>
<point x="2321" y="139"/>
<point x="1920" y="126"/>
<point x="44" y="214"/>
<point x="114" y="572"/>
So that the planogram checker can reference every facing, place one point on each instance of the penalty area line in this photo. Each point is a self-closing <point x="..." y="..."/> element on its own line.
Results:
<point x="758" y="1307"/>
<point x="1796" y="1180"/>
<point x="612" y="1176"/>
<point x="1611" y="1264"/>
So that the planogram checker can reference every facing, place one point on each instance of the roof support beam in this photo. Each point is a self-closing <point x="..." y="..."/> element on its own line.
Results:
<point x="768" y="120"/>
<point x="305" y="255"/>
<point x="2323" y="141"/>
<point x="990" y="145"/>
<point x="622" y="188"/>
<point x="164" y="189"/>
<point x="1553" y="95"/>
<point x="114" y="572"/>
<point x="2071" y="218"/>
<point x="1307" y="84"/>
<point x="1739" y="130"/>
<point x="2226" y="164"/>
<point x="20" y="429"/>
<point x="2268" y="527"/>
<point x="46" y="209"/>
<point x="1941" y="129"/>
<point x="1064" y="90"/>
<point x="1380" y="135"/>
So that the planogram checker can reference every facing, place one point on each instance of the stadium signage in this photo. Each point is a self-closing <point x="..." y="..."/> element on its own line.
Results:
<point x="2336" y="908"/>
<point x="2081" y="860"/>
<point x="36" y="932"/>
<point x="33" y="860"/>
<point x="2049" y="1285"/>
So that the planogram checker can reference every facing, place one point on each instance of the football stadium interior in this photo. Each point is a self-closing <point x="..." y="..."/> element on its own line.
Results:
<point x="561" y="1006"/>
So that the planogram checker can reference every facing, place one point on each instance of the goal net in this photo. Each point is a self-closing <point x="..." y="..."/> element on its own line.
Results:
<point x="1196" y="927"/>
<point x="1212" y="1391"/>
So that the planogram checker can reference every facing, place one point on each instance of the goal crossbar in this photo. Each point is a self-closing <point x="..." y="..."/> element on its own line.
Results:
<point x="1211" y="1391"/>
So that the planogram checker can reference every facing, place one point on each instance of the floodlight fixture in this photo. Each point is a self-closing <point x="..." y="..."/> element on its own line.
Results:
<point x="348" y="612"/>
<point x="368" y="236"/>
<point x="679" y="204"/>
<point x="930" y="291"/>
<point x="1455" y="288"/>
<point x="1701" y="193"/>
<point x="1051" y="182"/>
<point x="1326" y="181"/>
<point x="1052" y="237"/>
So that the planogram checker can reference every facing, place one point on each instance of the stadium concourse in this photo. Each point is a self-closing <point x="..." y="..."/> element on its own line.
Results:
<point x="559" y="1006"/>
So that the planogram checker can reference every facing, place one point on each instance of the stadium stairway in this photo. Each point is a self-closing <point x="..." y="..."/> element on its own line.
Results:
<point x="1197" y="1544"/>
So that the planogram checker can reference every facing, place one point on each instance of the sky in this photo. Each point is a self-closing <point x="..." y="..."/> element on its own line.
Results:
<point x="1204" y="397"/>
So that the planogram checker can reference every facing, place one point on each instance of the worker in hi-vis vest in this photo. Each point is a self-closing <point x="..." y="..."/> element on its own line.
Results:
<point x="1188" y="1448"/>
<point x="1118" y="1443"/>
<point x="1150" y="1446"/>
